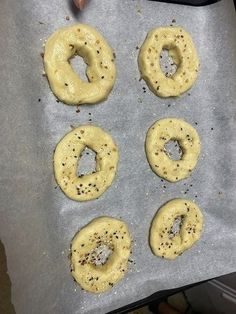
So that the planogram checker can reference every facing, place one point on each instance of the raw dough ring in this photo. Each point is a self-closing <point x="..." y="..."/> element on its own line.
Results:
<point x="66" y="158"/>
<point x="181" y="48"/>
<point x="160" y="133"/>
<point x="85" y="41"/>
<point x="167" y="244"/>
<point x="86" y="266"/>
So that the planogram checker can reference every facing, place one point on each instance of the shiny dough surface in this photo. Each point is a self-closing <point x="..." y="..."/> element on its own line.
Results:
<point x="108" y="231"/>
<point x="86" y="42"/>
<point x="172" y="129"/>
<point x="66" y="159"/>
<point x="163" y="241"/>
<point x="182" y="50"/>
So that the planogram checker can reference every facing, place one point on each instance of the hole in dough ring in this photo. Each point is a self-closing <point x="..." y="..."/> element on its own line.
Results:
<point x="85" y="41"/>
<point x="183" y="53"/>
<point x="67" y="155"/>
<point x="190" y="231"/>
<point x="114" y="234"/>
<point x="160" y="133"/>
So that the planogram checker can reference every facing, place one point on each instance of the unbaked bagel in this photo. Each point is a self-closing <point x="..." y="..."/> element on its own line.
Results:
<point x="167" y="242"/>
<point x="99" y="254"/>
<point x="181" y="48"/>
<point x="67" y="155"/>
<point x="85" y="41"/>
<point x="172" y="129"/>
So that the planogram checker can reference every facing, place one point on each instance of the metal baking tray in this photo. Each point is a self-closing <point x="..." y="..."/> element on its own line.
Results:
<point x="37" y="221"/>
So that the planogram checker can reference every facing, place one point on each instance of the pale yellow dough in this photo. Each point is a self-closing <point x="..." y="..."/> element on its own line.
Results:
<point x="67" y="155"/>
<point x="87" y="42"/>
<point x="167" y="244"/>
<point x="102" y="231"/>
<point x="172" y="129"/>
<point x="181" y="48"/>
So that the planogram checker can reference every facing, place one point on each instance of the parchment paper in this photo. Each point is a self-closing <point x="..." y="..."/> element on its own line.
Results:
<point x="37" y="221"/>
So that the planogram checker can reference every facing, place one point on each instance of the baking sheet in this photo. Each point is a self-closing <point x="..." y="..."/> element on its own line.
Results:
<point x="37" y="221"/>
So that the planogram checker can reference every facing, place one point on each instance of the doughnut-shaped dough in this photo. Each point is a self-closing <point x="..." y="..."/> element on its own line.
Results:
<point x="181" y="48"/>
<point x="86" y="266"/>
<point x="66" y="158"/>
<point x="163" y="241"/>
<point x="158" y="135"/>
<point x="84" y="41"/>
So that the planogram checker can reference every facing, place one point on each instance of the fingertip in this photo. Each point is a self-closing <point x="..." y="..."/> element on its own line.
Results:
<point x="80" y="4"/>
